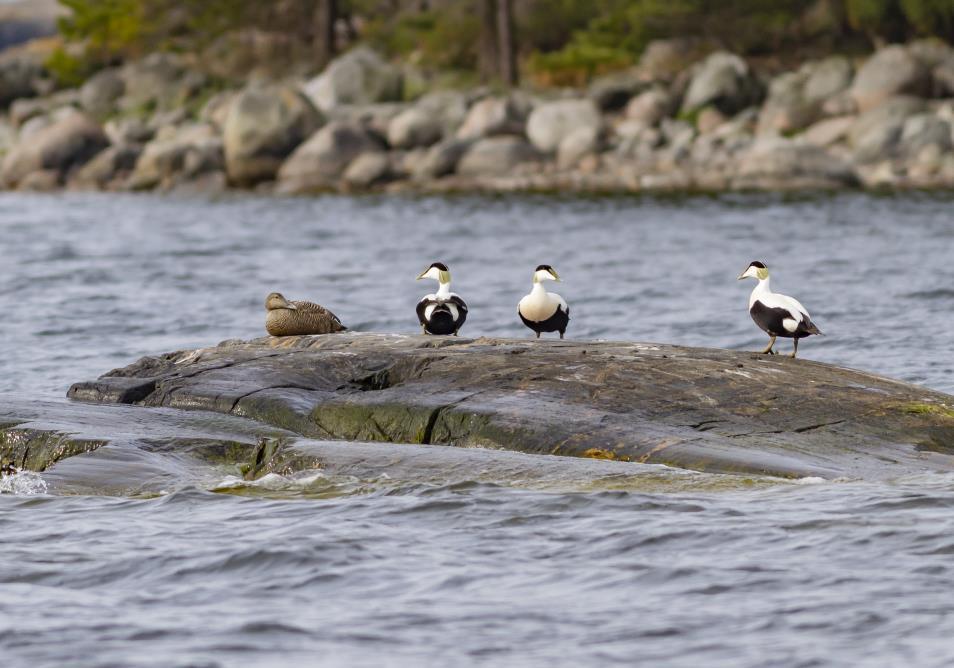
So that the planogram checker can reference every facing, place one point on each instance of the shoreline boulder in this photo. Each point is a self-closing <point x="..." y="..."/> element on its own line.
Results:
<point x="320" y="162"/>
<point x="551" y="122"/>
<point x="264" y="124"/>
<point x="889" y="72"/>
<point x="68" y="141"/>
<point x="723" y="80"/>
<point x="360" y="76"/>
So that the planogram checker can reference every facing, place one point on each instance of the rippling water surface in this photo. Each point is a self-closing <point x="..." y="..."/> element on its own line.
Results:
<point x="657" y="568"/>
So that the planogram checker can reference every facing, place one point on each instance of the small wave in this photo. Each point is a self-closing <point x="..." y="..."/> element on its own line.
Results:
<point x="940" y="293"/>
<point x="810" y="480"/>
<point x="270" y="481"/>
<point x="24" y="483"/>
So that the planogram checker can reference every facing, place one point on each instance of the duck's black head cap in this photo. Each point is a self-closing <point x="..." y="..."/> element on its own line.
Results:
<point x="440" y="266"/>
<point x="543" y="267"/>
<point x="757" y="265"/>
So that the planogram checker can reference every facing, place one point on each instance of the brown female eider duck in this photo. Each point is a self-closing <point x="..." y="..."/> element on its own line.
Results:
<point x="293" y="318"/>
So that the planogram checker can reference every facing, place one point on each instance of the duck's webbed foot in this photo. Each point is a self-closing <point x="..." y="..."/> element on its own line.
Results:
<point x="768" y="349"/>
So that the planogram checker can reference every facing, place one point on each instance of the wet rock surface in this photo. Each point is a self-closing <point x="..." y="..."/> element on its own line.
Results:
<point x="711" y="410"/>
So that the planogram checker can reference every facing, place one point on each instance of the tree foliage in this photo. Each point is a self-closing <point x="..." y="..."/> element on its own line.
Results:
<point x="563" y="39"/>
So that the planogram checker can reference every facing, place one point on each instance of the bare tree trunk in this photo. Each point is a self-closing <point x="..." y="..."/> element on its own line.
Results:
<point x="488" y="56"/>
<point x="326" y="14"/>
<point x="507" y="43"/>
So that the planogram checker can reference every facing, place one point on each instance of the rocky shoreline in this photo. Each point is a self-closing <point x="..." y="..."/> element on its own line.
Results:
<point x="715" y="124"/>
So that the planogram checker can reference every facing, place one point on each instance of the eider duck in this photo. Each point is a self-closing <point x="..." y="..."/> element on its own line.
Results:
<point x="443" y="312"/>
<point x="777" y="315"/>
<point x="287" y="318"/>
<point x="544" y="311"/>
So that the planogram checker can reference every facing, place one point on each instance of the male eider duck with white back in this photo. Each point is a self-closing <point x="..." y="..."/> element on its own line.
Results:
<point x="544" y="311"/>
<point x="777" y="315"/>
<point x="442" y="312"/>
<point x="296" y="318"/>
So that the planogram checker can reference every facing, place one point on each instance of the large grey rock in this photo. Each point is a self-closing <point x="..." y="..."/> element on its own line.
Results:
<point x="664" y="59"/>
<point x="25" y="108"/>
<point x="787" y="108"/>
<point x="718" y="410"/>
<point x="320" y="161"/>
<point x="263" y="126"/>
<point x="374" y="118"/>
<point x="8" y="136"/>
<point x="923" y="130"/>
<point x="69" y="141"/>
<point x="99" y="94"/>
<point x="440" y="159"/>
<point x="496" y="155"/>
<point x="650" y="106"/>
<point x="493" y="116"/>
<point x="930" y="51"/>
<point x="160" y="80"/>
<point x="447" y="107"/>
<point x="216" y="108"/>
<point x="112" y="163"/>
<point x="551" y="122"/>
<point x="360" y="76"/>
<point x="724" y="81"/>
<point x="830" y="130"/>
<point x="581" y="142"/>
<point x="784" y="164"/>
<point x="172" y="158"/>
<point x="413" y="128"/>
<point x="889" y="72"/>
<point x="368" y="169"/>
<point x="875" y="134"/>
<point x="612" y="91"/>
<point x="942" y="76"/>
<point x="18" y="77"/>
<point x="129" y="130"/>
<point x="827" y="78"/>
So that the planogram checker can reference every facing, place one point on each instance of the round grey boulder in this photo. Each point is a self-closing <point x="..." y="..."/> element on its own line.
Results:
<point x="923" y="130"/>
<point x="263" y="126"/>
<point x="70" y="140"/>
<point x="496" y="156"/>
<point x="320" y="161"/>
<point x="99" y="94"/>
<point x="650" y="106"/>
<point x="783" y="164"/>
<point x="551" y="122"/>
<point x="827" y="78"/>
<point x="414" y="128"/>
<point x="889" y="72"/>
<point x="368" y="169"/>
<point x="440" y="159"/>
<point x="493" y="116"/>
<point x="360" y="76"/>
<point x="724" y="81"/>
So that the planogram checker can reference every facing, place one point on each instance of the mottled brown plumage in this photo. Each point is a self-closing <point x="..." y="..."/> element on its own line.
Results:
<point x="293" y="318"/>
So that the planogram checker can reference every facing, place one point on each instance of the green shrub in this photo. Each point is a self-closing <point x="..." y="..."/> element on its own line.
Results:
<point x="68" y="70"/>
<point x="575" y="64"/>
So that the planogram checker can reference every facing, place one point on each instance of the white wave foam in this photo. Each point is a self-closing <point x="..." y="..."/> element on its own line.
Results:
<point x="270" y="481"/>
<point x="24" y="483"/>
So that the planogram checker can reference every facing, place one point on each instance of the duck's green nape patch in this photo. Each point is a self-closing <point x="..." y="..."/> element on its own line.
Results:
<point x="917" y="408"/>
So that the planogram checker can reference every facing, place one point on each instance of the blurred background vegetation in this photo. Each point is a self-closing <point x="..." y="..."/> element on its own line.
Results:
<point x="551" y="42"/>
